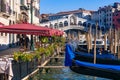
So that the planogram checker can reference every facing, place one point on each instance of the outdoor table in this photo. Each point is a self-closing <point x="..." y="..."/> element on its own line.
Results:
<point x="6" y="67"/>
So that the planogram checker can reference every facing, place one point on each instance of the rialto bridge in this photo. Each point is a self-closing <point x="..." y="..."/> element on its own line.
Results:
<point x="72" y="24"/>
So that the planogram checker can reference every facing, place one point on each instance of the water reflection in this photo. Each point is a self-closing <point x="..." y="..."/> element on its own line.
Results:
<point x="62" y="73"/>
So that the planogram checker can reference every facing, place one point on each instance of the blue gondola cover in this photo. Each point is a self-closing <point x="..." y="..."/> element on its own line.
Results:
<point x="98" y="66"/>
<point x="69" y="55"/>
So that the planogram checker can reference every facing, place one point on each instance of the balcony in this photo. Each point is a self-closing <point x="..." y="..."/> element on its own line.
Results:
<point x="24" y="7"/>
<point x="5" y="15"/>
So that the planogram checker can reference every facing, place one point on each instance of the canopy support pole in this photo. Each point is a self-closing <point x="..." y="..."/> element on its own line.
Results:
<point x="31" y="11"/>
<point x="32" y="43"/>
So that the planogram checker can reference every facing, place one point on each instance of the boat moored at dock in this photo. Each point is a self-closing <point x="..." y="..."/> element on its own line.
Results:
<point x="107" y="65"/>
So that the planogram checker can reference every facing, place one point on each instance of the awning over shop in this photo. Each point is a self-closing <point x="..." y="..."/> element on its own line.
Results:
<point x="30" y="29"/>
<point x="25" y="29"/>
<point x="58" y="32"/>
<point x="50" y="31"/>
<point x="1" y="24"/>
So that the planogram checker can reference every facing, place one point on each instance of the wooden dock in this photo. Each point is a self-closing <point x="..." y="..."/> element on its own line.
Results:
<point x="51" y="66"/>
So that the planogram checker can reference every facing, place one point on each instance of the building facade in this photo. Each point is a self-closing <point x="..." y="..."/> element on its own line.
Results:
<point x="16" y="12"/>
<point x="116" y="19"/>
<point x="34" y="8"/>
<point x="95" y="16"/>
<point x="106" y="14"/>
<point x="7" y="17"/>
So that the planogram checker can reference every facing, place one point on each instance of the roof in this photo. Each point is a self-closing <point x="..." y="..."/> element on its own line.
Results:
<point x="71" y="12"/>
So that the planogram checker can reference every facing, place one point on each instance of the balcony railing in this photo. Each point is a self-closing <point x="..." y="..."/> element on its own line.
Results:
<point x="24" y="7"/>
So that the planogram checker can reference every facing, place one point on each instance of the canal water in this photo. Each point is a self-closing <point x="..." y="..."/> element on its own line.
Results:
<point x="61" y="73"/>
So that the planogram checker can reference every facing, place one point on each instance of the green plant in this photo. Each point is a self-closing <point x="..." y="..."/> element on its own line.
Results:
<point x="44" y="39"/>
<point x="20" y="56"/>
<point x="51" y="48"/>
<point x="42" y="49"/>
<point x="47" y="52"/>
<point x="16" y="55"/>
<point x="58" y="42"/>
<point x="37" y="56"/>
<point x="28" y="57"/>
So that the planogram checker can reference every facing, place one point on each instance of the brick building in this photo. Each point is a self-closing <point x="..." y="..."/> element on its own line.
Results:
<point x="116" y="19"/>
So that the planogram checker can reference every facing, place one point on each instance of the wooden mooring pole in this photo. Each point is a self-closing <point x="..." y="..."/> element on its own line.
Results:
<point x="105" y="40"/>
<point x="95" y="44"/>
<point x="118" y="40"/>
<point x="115" y="42"/>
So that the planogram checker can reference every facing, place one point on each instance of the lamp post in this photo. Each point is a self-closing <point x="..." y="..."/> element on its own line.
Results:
<point x="30" y="2"/>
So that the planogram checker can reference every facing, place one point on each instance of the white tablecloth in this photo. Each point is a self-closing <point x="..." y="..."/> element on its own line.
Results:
<point x="6" y="67"/>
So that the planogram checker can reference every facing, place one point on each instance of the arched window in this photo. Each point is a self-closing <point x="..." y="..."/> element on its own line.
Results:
<point x="84" y="24"/>
<point x="72" y="20"/>
<point x="55" y="25"/>
<point x="10" y="22"/>
<point x="88" y="25"/>
<point x="60" y="24"/>
<point x="65" y="23"/>
<point x="80" y="23"/>
<point x="51" y="25"/>
<point x="13" y="22"/>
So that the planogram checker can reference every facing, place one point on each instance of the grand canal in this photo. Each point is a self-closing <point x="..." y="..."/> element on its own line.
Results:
<point x="61" y="73"/>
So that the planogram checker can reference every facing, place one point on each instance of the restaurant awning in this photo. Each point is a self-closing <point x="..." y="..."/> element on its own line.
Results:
<point x="26" y="29"/>
<point x="30" y="29"/>
<point x="58" y="32"/>
<point x="1" y="24"/>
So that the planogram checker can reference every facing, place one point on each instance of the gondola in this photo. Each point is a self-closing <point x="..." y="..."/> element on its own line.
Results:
<point x="107" y="65"/>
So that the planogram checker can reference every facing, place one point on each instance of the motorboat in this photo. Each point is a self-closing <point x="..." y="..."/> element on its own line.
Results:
<point x="83" y="46"/>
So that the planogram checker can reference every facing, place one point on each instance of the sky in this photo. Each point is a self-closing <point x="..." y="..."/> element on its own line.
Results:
<point x="55" y="6"/>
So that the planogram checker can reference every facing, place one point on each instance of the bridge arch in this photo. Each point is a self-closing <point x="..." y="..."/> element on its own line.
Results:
<point x="84" y="24"/>
<point x="80" y="23"/>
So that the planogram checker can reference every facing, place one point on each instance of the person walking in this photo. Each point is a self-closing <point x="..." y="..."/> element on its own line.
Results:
<point x="26" y="42"/>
